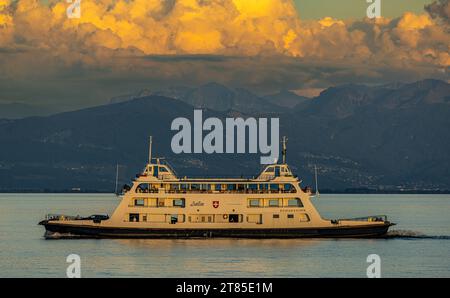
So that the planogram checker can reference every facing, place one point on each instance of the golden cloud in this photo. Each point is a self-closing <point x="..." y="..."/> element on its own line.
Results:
<point x="217" y="27"/>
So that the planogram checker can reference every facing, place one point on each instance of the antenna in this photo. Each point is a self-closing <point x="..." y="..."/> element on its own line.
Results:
<point x="317" y="184"/>
<point x="283" y="151"/>
<point x="150" y="151"/>
<point x="117" y="179"/>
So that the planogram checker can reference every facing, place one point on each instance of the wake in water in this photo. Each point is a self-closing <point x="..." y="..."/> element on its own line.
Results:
<point x="407" y="234"/>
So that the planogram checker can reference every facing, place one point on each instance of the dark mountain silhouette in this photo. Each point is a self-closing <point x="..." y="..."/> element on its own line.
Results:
<point x="286" y="98"/>
<point x="386" y="137"/>
<point x="216" y="97"/>
<point x="22" y="110"/>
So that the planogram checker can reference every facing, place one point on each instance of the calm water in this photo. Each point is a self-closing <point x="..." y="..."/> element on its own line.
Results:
<point x="24" y="252"/>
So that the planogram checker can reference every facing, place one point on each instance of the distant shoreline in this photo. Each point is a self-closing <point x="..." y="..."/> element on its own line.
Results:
<point x="324" y="191"/>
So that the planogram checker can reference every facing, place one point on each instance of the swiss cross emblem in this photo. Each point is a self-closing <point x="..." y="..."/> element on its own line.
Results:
<point x="215" y="204"/>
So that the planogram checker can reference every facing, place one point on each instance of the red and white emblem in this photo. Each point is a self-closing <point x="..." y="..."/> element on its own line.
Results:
<point x="216" y="204"/>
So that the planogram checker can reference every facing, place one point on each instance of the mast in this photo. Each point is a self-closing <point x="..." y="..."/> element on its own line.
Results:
<point x="317" y="185"/>
<point x="150" y="151"/>
<point x="117" y="179"/>
<point x="283" y="151"/>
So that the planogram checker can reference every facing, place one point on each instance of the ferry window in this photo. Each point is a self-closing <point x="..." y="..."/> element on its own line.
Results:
<point x="144" y="217"/>
<point x="290" y="216"/>
<point x="264" y="186"/>
<point x="288" y="187"/>
<point x="195" y="186"/>
<point x="253" y="187"/>
<point x="274" y="203"/>
<point x="269" y="170"/>
<point x="139" y="202"/>
<point x="295" y="203"/>
<point x="134" y="217"/>
<point x="276" y="216"/>
<point x="143" y="187"/>
<point x="174" y="218"/>
<point x="206" y="186"/>
<point x="254" y="202"/>
<point x="209" y="218"/>
<point x="231" y="187"/>
<point x="203" y="219"/>
<point x="274" y="187"/>
<point x="178" y="203"/>
<point x="184" y="187"/>
<point x="277" y="171"/>
<point x="304" y="217"/>
<point x="174" y="186"/>
<point x="241" y="187"/>
<point x="163" y="170"/>
<point x="233" y="218"/>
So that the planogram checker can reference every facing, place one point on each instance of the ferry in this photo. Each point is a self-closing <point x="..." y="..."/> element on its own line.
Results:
<point x="159" y="204"/>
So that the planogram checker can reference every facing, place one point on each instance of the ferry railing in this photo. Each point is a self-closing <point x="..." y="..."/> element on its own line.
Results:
<point x="371" y="218"/>
<point x="60" y="217"/>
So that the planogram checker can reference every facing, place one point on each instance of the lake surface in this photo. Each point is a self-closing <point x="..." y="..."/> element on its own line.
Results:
<point x="419" y="245"/>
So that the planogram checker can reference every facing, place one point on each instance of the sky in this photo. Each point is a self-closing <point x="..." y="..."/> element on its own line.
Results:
<point x="121" y="46"/>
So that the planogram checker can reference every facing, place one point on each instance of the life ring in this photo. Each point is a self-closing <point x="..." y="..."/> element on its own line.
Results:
<point x="225" y="216"/>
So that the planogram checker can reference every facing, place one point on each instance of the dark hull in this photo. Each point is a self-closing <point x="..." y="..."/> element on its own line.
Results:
<point x="55" y="230"/>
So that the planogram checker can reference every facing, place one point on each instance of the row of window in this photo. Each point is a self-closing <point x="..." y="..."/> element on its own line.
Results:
<point x="158" y="202"/>
<point x="221" y="187"/>
<point x="209" y="218"/>
<point x="275" y="202"/>
<point x="181" y="203"/>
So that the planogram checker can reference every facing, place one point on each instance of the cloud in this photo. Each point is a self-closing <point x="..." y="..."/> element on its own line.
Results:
<point x="256" y="43"/>
<point x="440" y="9"/>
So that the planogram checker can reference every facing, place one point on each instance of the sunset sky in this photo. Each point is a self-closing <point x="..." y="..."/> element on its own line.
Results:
<point x="119" y="47"/>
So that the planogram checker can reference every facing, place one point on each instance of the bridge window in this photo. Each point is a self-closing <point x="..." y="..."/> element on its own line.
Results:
<point x="143" y="187"/>
<point x="270" y="170"/>
<point x="274" y="187"/>
<point x="289" y="188"/>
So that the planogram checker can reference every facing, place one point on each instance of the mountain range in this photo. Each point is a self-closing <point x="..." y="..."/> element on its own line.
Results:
<point x="386" y="138"/>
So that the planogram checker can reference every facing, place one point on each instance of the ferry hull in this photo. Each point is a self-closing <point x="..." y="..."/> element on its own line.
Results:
<point x="55" y="230"/>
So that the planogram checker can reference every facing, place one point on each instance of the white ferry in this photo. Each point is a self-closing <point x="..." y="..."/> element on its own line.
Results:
<point x="161" y="205"/>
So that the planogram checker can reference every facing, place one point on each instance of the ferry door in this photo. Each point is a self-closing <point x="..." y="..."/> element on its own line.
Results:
<point x="155" y="171"/>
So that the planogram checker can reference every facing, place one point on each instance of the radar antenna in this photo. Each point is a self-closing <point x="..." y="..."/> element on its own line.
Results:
<point x="117" y="180"/>
<point x="150" y="151"/>
<point x="283" y="151"/>
<point x="317" y="184"/>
